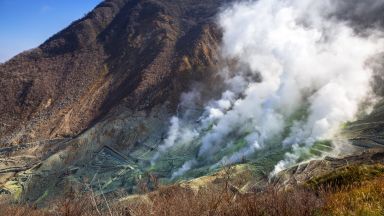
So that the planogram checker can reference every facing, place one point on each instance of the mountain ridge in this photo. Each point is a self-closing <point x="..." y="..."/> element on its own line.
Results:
<point x="121" y="50"/>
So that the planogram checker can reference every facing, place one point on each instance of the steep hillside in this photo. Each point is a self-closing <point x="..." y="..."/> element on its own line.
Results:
<point x="110" y="81"/>
<point x="132" y="53"/>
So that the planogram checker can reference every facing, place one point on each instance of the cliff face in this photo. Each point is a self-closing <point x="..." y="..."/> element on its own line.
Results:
<point x="131" y="53"/>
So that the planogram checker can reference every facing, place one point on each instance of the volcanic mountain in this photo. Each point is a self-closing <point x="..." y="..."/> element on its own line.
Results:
<point x="135" y="54"/>
<point x="91" y="105"/>
<point x="126" y="57"/>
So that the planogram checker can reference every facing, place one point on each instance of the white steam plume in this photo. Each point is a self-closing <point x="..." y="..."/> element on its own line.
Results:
<point x="306" y="58"/>
<point x="303" y="57"/>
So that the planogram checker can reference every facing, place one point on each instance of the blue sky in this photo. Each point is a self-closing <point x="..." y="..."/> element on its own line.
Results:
<point x="25" y="24"/>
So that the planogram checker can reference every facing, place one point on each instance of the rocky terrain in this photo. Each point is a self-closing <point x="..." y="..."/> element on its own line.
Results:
<point x="111" y="78"/>
<point x="135" y="54"/>
<point x="88" y="107"/>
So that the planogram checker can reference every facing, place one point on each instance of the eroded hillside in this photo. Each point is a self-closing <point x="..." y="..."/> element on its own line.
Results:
<point x="136" y="54"/>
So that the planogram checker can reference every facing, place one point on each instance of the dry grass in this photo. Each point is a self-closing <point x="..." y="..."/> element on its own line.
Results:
<point x="175" y="200"/>
<point x="365" y="199"/>
<point x="180" y="201"/>
<point x="72" y="204"/>
<point x="17" y="210"/>
<point x="344" y="194"/>
<point x="347" y="176"/>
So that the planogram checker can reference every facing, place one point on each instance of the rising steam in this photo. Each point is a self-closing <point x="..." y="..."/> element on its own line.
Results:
<point x="302" y="71"/>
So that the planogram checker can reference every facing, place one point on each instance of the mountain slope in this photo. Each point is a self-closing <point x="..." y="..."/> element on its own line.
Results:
<point x="136" y="53"/>
<point x="95" y="100"/>
<point x="110" y="80"/>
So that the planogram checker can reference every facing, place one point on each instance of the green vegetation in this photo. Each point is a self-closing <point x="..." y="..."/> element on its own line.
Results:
<point x="299" y="115"/>
<point x="15" y="188"/>
<point x="230" y="149"/>
<point x="320" y="147"/>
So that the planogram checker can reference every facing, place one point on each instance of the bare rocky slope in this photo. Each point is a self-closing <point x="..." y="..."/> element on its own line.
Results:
<point x="131" y="53"/>
<point x="92" y="94"/>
